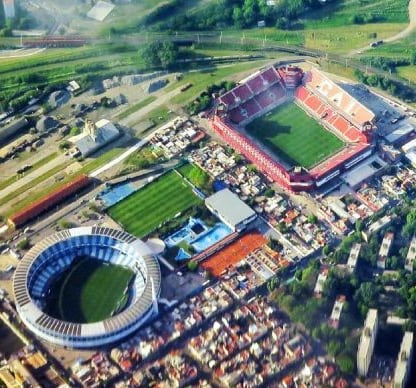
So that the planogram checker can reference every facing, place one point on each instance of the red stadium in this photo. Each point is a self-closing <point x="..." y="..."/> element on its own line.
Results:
<point x="321" y="98"/>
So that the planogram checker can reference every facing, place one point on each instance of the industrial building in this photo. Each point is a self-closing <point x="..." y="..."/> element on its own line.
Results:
<point x="230" y="209"/>
<point x="93" y="137"/>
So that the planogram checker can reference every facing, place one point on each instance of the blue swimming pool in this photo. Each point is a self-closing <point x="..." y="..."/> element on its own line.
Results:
<point x="182" y="255"/>
<point x="189" y="232"/>
<point x="210" y="237"/>
<point x="112" y="195"/>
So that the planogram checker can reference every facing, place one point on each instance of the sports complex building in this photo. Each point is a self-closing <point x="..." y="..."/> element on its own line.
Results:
<point x="52" y="256"/>
<point x="320" y="98"/>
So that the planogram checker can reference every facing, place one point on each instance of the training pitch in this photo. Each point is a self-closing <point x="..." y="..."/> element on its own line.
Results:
<point x="294" y="136"/>
<point x="90" y="291"/>
<point x="161" y="200"/>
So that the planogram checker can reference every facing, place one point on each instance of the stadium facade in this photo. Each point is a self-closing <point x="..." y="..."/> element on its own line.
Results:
<point x="320" y="97"/>
<point x="47" y="259"/>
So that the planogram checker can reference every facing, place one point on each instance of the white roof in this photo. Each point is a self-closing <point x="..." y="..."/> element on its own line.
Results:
<point x="230" y="207"/>
<point x="100" y="10"/>
<point x="410" y="150"/>
<point x="400" y="132"/>
<point x="404" y="360"/>
<point x="363" y="171"/>
<point x="366" y="340"/>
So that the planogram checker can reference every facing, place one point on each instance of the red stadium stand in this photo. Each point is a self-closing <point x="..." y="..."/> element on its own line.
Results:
<point x="337" y="161"/>
<point x="242" y="92"/>
<point x="36" y="208"/>
<point x="236" y="116"/>
<point x="228" y="99"/>
<point x="353" y="110"/>
<point x="270" y="76"/>
<point x="251" y="107"/>
<point x="301" y="93"/>
<point x="256" y="84"/>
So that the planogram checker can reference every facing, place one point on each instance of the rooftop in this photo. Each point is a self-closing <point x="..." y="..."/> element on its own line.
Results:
<point x="370" y="327"/>
<point x="230" y="207"/>
<point x="404" y="359"/>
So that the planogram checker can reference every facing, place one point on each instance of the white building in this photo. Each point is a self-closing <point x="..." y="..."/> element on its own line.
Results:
<point x="9" y="10"/>
<point x="411" y="255"/>
<point x="409" y="150"/>
<point x="320" y="282"/>
<point x="353" y="257"/>
<point x="230" y="209"/>
<point x="367" y="342"/>
<point x="336" y="311"/>
<point x="376" y="226"/>
<point x="384" y="250"/>
<point x="93" y="137"/>
<point x="404" y="361"/>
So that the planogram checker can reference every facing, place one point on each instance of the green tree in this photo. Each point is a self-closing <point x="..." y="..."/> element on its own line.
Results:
<point x="346" y="364"/>
<point x="64" y="224"/>
<point x="192" y="266"/>
<point x="23" y="244"/>
<point x="313" y="219"/>
<point x="326" y="250"/>
<point x="413" y="57"/>
<point x="268" y="193"/>
<point x="160" y="54"/>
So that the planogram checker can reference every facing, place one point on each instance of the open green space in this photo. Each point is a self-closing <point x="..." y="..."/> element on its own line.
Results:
<point x="197" y="176"/>
<point x="90" y="291"/>
<point x="159" y="201"/>
<point x="8" y="181"/>
<point x="348" y="12"/>
<point x="294" y="136"/>
<point x="202" y="78"/>
<point x="34" y="182"/>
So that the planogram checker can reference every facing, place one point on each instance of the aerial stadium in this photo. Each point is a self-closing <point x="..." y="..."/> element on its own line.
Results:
<point x="57" y="286"/>
<point x="299" y="128"/>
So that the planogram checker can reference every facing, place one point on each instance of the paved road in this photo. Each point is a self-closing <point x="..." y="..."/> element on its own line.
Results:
<point x="15" y="186"/>
<point x="20" y="53"/>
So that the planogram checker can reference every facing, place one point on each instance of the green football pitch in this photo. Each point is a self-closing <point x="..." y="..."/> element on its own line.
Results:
<point x="90" y="291"/>
<point x="143" y="211"/>
<point x="294" y="136"/>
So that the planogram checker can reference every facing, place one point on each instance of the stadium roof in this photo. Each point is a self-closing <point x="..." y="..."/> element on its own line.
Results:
<point x="229" y="207"/>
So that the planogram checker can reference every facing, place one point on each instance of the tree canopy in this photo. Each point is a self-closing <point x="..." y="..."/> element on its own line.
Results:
<point x="160" y="54"/>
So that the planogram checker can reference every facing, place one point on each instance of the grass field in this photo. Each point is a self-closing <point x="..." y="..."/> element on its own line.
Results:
<point x="297" y="138"/>
<point x="90" y="291"/>
<point x="159" y="201"/>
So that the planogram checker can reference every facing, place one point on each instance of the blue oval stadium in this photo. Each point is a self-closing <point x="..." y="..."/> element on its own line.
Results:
<point x="54" y="255"/>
